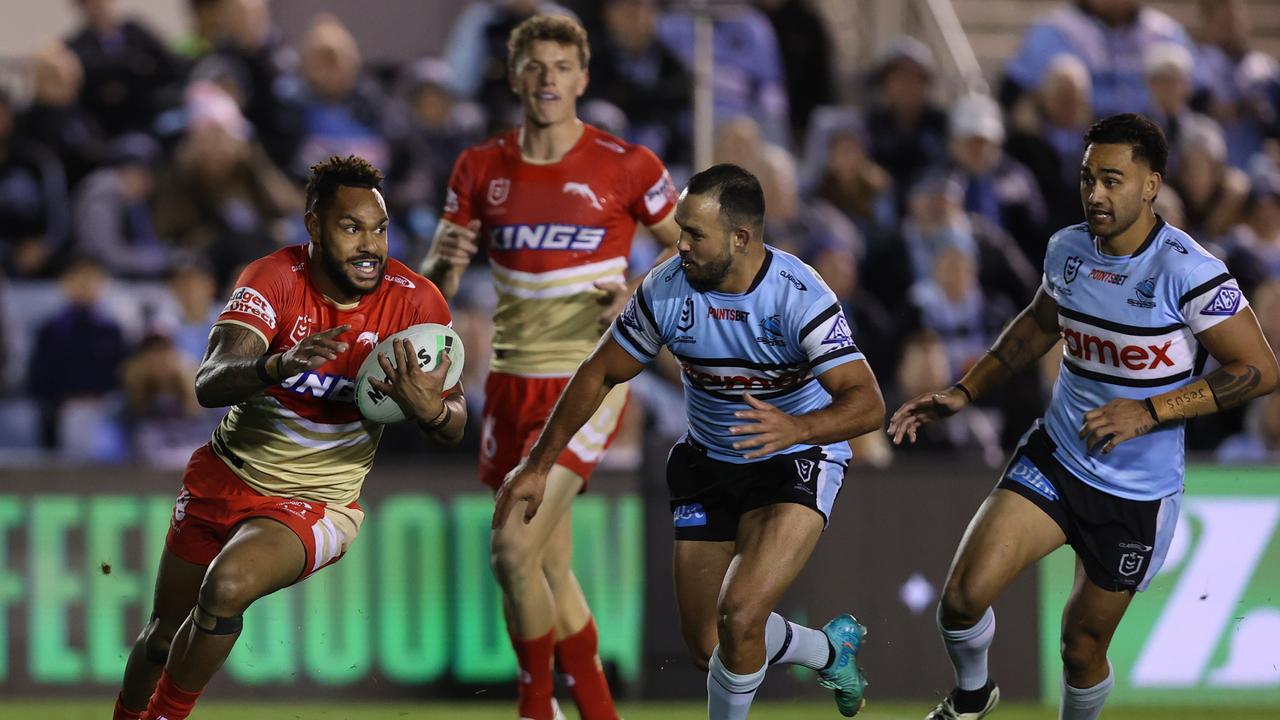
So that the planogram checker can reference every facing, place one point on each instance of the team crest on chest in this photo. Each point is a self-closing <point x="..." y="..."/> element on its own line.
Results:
<point x="498" y="190"/>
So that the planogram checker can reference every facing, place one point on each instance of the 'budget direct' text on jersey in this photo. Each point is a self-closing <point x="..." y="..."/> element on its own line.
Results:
<point x="771" y="341"/>
<point x="1129" y="328"/>
<point x="551" y="231"/>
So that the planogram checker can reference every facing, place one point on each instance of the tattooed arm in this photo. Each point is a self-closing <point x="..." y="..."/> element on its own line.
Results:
<point x="1248" y="371"/>
<point x="230" y="374"/>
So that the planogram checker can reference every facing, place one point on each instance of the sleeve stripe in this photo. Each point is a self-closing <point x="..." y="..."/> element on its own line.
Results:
<point x="1203" y="288"/>
<point x="240" y="323"/>
<point x="823" y="316"/>
<point x="631" y="340"/>
<point x="835" y="354"/>
<point x="644" y="307"/>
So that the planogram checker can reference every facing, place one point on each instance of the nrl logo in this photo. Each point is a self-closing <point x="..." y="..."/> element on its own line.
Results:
<point x="498" y="190"/>
<point x="1070" y="269"/>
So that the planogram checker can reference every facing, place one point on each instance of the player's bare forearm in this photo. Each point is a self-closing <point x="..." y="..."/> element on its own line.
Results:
<point x="228" y="375"/>
<point x="607" y="366"/>
<point x="1248" y="371"/>
<point x="450" y="433"/>
<point x="1031" y="334"/>
<point x="445" y="275"/>
<point x="852" y="413"/>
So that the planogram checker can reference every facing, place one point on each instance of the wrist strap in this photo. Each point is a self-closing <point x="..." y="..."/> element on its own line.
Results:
<point x="1151" y="408"/>
<point x="442" y="419"/>
<point x="960" y="386"/>
<point x="260" y="367"/>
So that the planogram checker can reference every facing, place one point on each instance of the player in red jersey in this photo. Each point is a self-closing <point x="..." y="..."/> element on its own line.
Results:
<point x="556" y="203"/>
<point x="273" y="497"/>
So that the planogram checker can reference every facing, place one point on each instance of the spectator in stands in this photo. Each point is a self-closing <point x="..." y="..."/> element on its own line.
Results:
<point x="477" y="52"/>
<point x="748" y="78"/>
<point x="1241" y="85"/>
<point x="206" y="30"/>
<point x="806" y="58"/>
<point x="129" y="73"/>
<point x="252" y="54"/>
<point x="1168" y="68"/>
<point x="838" y="170"/>
<point x="1259" y="444"/>
<point x="907" y="131"/>
<point x="195" y="292"/>
<point x="793" y="224"/>
<point x="33" y="201"/>
<point x="78" y="351"/>
<point x="996" y="187"/>
<point x="1110" y="36"/>
<point x="952" y="304"/>
<point x="1047" y="135"/>
<point x="112" y="211"/>
<point x="221" y="195"/>
<point x="1213" y="193"/>
<point x="633" y="70"/>
<point x="1252" y="248"/>
<point x="55" y="118"/>
<point x="167" y="422"/>
<point x="343" y="112"/>
<point x="936" y="220"/>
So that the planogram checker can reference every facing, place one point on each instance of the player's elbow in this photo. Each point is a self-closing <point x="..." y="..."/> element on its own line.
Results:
<point x="206" y="393"/>
<point x="1270" y="372"/>
<point x="870" y="411"/>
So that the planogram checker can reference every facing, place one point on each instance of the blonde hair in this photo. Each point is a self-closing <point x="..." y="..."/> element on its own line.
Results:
<point x="560" y="29"/>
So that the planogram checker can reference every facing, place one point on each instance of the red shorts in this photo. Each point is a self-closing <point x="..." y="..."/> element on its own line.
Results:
<point x="516" y="408"/>
<point x="214" y="501"/>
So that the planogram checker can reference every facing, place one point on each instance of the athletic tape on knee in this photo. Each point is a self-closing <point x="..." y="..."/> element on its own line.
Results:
<point x="211" y="624"/>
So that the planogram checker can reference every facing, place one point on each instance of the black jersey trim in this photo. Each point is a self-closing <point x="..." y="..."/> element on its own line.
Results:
<point x="737" y="396"/>
<point x="644" y="307"/>
<point x="1128" y="382"/>
<point x="1115" y="326"/>
<point x="1203" y="287"/>
<point x="631" y="340"/>
<point x="835" y="354"/>
<point x="822" y="317"/>
<point x="764" y="270"/>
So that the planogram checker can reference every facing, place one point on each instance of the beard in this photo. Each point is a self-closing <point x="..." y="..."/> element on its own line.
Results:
<point x="708" y="275"/>
<point x="336" y="269"/>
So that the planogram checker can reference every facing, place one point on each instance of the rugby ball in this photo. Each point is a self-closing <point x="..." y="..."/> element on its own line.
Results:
<point x="428" y="340"/>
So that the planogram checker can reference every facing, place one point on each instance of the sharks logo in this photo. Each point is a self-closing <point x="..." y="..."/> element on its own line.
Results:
<point x="584" y="190"/>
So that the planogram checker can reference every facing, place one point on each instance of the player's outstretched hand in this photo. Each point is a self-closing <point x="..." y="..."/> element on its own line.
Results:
<point x="614" y="299"/>
<point x="923" y="410"/>
<point x="455" y="244"/>
<point x="1119" y="420"/>
<point x="770" y="429"/>
<point x="417" y="393"/>
<point x="314" y="351"/>
<point x="523" y="484"/>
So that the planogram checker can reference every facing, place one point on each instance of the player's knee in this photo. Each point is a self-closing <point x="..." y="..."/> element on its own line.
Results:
<point x="741" y="621"/>
<point x="701" y="642"/>
<point x="962" y="606"/>
<point x="1083" y="651"/>
<point x="226" y="594"/>
<point x="156" y="639"/>
<point x="511" y="557"/>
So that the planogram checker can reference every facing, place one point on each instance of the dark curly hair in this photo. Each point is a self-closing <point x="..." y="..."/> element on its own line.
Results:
<point x="1144" y="137"/>
<point x="328" y="176"/>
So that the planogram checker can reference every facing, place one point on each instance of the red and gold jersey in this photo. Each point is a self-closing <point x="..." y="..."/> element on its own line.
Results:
<point x="551" y="231"/>
<point x="305" y="437"/>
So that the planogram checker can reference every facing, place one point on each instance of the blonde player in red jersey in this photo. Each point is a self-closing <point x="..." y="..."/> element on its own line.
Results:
<point x="273" y="497"/>
<point x="556" y="203"/>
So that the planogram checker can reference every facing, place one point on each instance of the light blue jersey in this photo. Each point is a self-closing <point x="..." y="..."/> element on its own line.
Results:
<point x="771" y="341"/>
<point x="1129" y="325"/>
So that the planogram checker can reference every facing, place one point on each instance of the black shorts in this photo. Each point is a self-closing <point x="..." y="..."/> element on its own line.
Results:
<point x="708" y="496"/>
<point x="1122" y="543"/>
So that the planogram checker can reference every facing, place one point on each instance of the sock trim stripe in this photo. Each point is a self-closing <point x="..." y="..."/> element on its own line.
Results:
<point x="737" y="692"/>
<point x="786" y="643"/>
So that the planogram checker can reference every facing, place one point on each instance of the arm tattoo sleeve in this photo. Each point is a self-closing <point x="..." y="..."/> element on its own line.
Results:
<point x="1233" y="388"/>
<point x="227" y="375"/>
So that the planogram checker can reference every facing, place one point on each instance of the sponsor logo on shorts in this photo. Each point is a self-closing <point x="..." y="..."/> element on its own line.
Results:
<point x="546" y="237"/>
<point x="804" y="468"/>
<point x="1025" y="472"/>
<point x="1131" y="563"/>
<point x="691" y="515"/>
<point x="1225" y="303"/>
<point x="248" y="301"/>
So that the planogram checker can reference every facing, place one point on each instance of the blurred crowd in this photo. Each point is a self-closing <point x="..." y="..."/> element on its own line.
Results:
<point x="137" y="176"/>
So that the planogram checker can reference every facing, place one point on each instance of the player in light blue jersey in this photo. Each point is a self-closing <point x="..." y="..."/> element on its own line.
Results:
<point x="774" y="389"/>
<point x="1140" y="308"/>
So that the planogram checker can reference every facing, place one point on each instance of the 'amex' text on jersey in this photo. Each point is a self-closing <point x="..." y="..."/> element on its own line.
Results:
<point x="546" y="236"/>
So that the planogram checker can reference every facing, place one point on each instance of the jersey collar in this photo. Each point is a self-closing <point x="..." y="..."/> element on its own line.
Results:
<point x="1151" y="238"/>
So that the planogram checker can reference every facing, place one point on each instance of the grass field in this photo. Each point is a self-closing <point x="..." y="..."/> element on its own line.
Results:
<point x="213" y="710"/>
